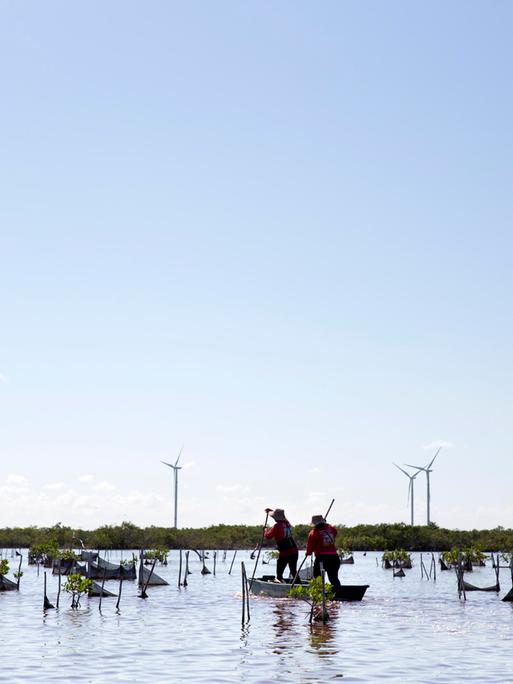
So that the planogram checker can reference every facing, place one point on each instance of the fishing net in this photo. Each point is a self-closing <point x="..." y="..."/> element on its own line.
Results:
<point x="7" y="584"/>
<point x="103" y="568"/>
<point x="97" y="591"/>
<point x="154" y="581"/>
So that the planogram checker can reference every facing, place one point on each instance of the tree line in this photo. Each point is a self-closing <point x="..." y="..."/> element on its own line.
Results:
<point x="378" y="537"/>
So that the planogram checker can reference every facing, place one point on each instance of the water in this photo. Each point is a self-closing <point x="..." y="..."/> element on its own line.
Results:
<point x="405" y="630"/>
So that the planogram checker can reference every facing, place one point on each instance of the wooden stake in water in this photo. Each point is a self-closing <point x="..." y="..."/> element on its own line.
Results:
<point x="143" y="592"/>
<point x="432" y="568"/>
<point x="185" y="582"/>
<point x="245" y="594"/>
<point x="58" y="590"/>
<point x="325" y="615"/>
<point x="19" y="572"/>
<point x="141" y="563"/>
<point x="180" y="569"/>
<point x="101" y="593"/>
<point x="46" y="603"/>
<point x="215" y="556"/>
<point x="231" y="565"/>
<point x="119" y="592"/>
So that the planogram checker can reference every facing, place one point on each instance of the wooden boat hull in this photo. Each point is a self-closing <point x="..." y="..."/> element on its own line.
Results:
<point x="346" y="592"/>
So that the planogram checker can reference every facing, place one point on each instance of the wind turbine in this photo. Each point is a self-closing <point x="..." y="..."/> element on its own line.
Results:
<point x="175" y="468"/>
<point x="410" y="488"/>
<point x="427" y="470"/>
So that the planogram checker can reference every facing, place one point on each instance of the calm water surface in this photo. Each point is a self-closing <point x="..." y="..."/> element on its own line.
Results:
<point x="405" y="630"/>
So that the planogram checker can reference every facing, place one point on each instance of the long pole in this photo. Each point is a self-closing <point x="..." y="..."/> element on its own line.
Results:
<point x="259" y="548"/>
<point x="304" y="559"/>
<point x="231" y="566"/>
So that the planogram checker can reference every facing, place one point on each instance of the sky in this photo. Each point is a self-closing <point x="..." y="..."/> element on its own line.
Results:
<point x="276" y="233"/>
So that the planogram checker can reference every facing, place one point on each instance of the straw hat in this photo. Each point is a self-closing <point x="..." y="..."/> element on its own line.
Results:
<point x="317" y="520"/>
<point x="279" y="515"/>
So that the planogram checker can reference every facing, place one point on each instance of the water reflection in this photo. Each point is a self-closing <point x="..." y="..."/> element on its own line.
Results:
<point x="196" y="636"/>
<point x="322" y="638"/>
<point x="284" y="627"/>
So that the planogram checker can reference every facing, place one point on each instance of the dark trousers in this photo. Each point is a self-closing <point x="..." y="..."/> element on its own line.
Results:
<point x="331" y="563"/>
<point x="282" y="563"/>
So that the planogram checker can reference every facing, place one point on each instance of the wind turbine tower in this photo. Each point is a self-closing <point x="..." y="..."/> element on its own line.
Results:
<point x="410" y="490"/>
<point x="427" y="470"/>
<point x="175" y="468"/>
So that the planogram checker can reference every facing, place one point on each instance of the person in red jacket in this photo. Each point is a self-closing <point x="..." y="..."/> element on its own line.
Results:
<point x="321" y="542"/>
<point x="281" y="532"/>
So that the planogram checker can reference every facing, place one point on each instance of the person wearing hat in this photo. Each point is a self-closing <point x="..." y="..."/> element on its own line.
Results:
<point x="281" y="532"/>
<point x="321" y="542"/>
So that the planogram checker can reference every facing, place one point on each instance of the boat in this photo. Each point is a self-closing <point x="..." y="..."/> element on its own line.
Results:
<point x="266" y="586"/>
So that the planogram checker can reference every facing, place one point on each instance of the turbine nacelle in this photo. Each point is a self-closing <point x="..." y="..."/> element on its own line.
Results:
<point x="175" y="467"/>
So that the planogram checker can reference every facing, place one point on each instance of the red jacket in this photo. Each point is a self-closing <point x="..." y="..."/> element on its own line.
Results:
<point x="321" y="540"/>
<point x="281" y="532"/>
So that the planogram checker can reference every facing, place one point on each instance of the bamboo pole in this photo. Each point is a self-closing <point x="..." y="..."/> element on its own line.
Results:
<point x="101" y="592"/>
<point x="46" y="602"/>
<point x="58" y="590"/>
<point x="119" y="592"/>
<point x="141" y="564"/>
<point x="323" y="584"/>
<point x="180" y="569"/>
<point x="215" y="557"/>
<point x="259" y="548"/>
<point x="19" y="571"/>
<point x="143" y="592"/>
<point x="185" y="582"/>
<point x="231" y="565"/>
<point x="242" y="571"/>
<point x="246" y="585"/>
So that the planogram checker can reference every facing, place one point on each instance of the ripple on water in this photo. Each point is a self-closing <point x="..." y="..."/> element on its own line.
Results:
<point x="407" y="630"/>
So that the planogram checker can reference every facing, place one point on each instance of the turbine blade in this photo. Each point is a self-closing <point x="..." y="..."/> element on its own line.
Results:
<point x="433" y="459"/>
<point x="414" y="466"/>
<point x="179" y="455"/>
<point x="168" y="464"/>
<point x="402" y="470"/>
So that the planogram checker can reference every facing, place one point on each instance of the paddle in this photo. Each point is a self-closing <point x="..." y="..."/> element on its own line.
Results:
<point x="267" y="511"/>
<point x="303" y="561"/>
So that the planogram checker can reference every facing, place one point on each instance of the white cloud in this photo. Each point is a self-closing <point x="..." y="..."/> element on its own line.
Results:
<point x="16" y="480"/>
<point x="44" y="506"/>
<point x="104" y="487"/>
<point x="315" y="469"/>
<point x="54" y="486"/>
<point x="438" y="444"/>
<point x="189" y="464"/>
<point x="86" y="478"/>
<point x="3" y="379"/>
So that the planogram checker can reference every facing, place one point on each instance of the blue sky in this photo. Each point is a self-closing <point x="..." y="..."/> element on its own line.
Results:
<point x="278" y="233"/>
